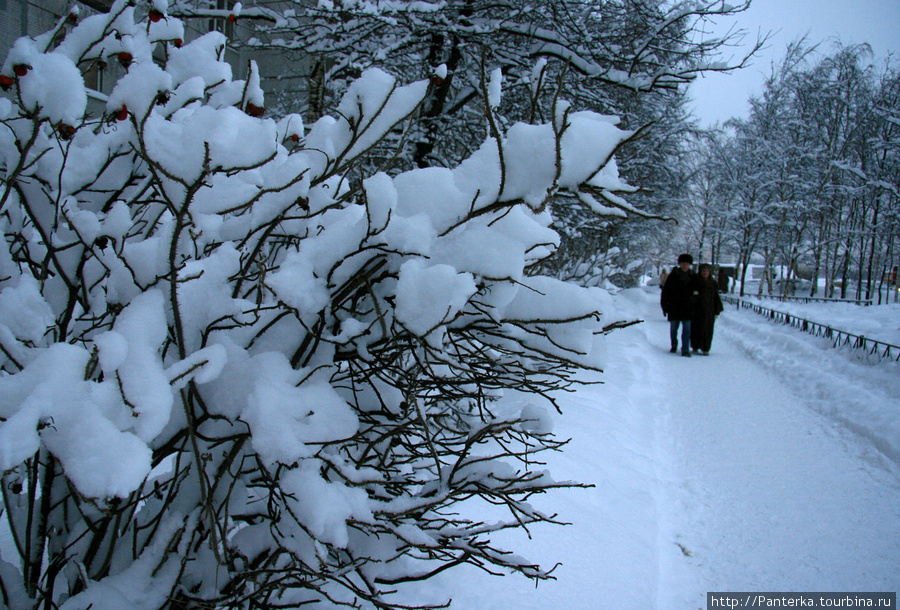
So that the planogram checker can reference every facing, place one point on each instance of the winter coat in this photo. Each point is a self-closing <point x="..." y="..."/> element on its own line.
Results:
<point x="708" y="305"/>
<point x="677" y="298"/>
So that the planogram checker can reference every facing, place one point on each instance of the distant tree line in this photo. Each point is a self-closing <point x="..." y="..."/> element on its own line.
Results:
<point x="811" y="178"/>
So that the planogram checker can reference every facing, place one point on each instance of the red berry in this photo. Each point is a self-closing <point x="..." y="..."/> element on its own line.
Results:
<point x="155" y="16"/>
<point x="254" y="110"/>
<point x="178" y="42"/>
<point x="72" y="18"/>
<point x="6" y="82"/>
<point x="122" y="113"/>
<point x="21" y="69"/>
<point x="437" y="81"/>
<point x="232" y="18"/>
<point x="295" y="137"/>
<point x="124" y="58"/>
<point x="65" y="131"/>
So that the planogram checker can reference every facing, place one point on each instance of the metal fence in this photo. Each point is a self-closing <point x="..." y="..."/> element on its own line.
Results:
<point x="839" y="338"/>
<point x="795" y="299"/>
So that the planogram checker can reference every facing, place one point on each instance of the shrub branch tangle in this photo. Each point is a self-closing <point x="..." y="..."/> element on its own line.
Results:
<point x="234" y="377"/>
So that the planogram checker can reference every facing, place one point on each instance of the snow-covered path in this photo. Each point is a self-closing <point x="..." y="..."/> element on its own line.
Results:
<point x="731" y="472"/>
<point x="777" y="497"/>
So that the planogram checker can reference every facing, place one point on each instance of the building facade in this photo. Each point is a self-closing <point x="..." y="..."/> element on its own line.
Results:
<point x="34" y="17"/>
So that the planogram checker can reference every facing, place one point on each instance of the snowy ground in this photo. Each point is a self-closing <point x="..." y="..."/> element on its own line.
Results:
<point x="879" y="322"/>
<point x="771" y="465"/>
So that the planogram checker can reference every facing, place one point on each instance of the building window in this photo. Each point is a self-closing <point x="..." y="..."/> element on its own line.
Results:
<point x="223" y="25"/>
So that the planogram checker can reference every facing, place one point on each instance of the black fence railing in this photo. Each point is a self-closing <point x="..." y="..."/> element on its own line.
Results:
<point x="839" y="338"/>
<point x="795" y="299"/>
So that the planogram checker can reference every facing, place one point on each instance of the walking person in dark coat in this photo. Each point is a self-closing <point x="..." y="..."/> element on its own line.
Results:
<point x="707" y="306"/>
<point x="677" y="301"/>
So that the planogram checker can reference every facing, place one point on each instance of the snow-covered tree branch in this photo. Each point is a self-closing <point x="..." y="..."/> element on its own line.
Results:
<point x="239" y="371"/>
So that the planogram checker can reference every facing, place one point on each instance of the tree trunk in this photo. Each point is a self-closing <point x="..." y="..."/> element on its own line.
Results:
<point x="316" y="104"/>
<point x="869" y="279"/>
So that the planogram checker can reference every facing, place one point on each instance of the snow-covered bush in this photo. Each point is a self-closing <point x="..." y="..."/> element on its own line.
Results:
<point x="235" y="373"/>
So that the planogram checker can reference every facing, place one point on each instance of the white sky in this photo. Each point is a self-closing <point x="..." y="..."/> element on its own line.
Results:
<point x="718" y="97"/>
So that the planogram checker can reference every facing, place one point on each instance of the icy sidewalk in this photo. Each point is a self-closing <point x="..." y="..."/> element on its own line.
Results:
<point x="711" y="473"/>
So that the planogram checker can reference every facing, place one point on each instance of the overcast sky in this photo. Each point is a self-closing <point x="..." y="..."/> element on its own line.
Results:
<point x="718" y="97"/>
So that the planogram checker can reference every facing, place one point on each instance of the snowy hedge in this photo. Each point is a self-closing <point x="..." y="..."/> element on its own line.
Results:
<point x="237" y="373"/>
